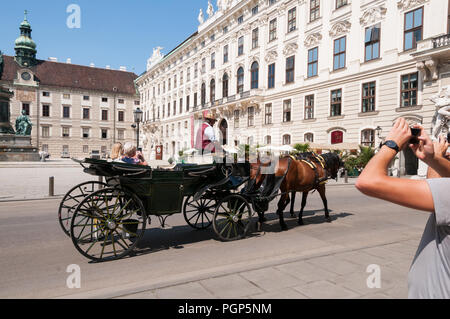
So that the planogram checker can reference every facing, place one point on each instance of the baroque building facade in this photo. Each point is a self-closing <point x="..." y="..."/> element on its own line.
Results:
<point x="74" y="109"/>
<point x="334" y="73"/>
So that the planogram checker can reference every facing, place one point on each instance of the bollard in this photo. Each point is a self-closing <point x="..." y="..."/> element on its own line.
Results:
<point x="51" y="186"/>
<point x="346" y="176"/>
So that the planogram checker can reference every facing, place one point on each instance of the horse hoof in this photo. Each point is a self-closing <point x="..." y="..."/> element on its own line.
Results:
<point x="300" y="222"/>
<point x="284" y="227"/>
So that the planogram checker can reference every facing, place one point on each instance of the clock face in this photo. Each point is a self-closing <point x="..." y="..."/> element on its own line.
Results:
<point x="26" y="76"/>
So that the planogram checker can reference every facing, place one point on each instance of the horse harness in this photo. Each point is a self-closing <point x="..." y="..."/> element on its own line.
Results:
<point x="317" y="181"/>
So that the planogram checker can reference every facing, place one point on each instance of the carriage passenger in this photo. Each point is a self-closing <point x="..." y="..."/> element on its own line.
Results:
<point x="132" y="156"/>
<point x="117" y="152"/>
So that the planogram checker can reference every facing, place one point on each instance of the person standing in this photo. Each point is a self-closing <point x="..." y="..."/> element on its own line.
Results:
<point x="206" y="140"/>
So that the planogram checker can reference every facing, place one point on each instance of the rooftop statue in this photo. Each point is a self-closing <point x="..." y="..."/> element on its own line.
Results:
<point x="155" y="58"/>
<point x="210" y="10"/>
<point x="23" y="124"/>
<point x="442" y="116"/>
<point x="201" y="18"/>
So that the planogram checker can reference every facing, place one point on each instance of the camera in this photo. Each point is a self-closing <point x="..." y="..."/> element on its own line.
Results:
<point x="448" y="137"/>
<point x="415" y="133"/>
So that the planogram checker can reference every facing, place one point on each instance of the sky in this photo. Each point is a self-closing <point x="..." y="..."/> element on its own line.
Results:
<point x="112" y="32"/>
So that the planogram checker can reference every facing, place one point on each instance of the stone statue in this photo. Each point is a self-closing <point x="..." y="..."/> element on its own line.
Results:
<point x="210" y="10"/>
<point x="23" y="125"/>
<point x="442" y="116"/>
<point x="201" y="18"/>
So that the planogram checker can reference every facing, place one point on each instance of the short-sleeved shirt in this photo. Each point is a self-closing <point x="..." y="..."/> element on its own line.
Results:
<point x="209" y="133"/>
<point x="429" y="276"/>
<point x="130" y="160"/>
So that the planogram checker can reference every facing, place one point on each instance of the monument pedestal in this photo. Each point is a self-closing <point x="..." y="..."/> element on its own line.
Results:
<point x="15" y="148"/>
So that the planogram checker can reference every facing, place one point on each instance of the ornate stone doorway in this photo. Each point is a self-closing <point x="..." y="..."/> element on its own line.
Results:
<point x="411" y="162"/>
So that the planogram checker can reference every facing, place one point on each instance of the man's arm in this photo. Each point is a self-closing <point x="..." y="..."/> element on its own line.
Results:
<point x="375" y="182"/>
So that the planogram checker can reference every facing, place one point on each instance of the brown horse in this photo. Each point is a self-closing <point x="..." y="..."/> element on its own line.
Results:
<point x="299" y="176"/>
<point x="328" y="166"/>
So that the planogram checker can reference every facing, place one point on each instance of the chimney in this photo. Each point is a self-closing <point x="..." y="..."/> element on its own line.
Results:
<point x="53" y="59"/>
<point x="108" y="67"/>
<point x="69" y="61"/>
<point x="92" y="65"/>
<point x="123" y="68"/>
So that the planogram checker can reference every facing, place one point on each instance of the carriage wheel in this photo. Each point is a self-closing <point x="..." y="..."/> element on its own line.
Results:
<point x="72" y="199"/>
<point x="232" y="218"/>
<point x="108" y="224"/>
<point x="198" y="213"/>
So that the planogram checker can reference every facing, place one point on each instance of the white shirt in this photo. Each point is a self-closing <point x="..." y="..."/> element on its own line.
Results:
<point x="209" y="133"/>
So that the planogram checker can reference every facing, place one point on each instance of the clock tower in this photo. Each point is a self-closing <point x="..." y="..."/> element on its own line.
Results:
<point x="25" y="47"/>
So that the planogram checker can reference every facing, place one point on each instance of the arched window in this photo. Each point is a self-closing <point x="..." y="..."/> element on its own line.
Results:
<point x="286" y="139"/>
<point x="368" y="137"/>
<point x="309" y="138"/>
<point x="203" y="101"/>
<point x="225" y="85"/>
<point x="212" y="91"/>
<point x="337" y="137"/>
<point x="254" y="75"/>
<point x="240" y="80"/>
<point x="268" y="140"/>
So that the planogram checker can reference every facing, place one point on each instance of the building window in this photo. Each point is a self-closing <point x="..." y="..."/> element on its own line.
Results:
<point x="66" y="112"/>
<point x="174" y="107"/>
<point x="292" y="20"/>
<point x="339" y="53"/>
<point x="290" y="66"/>
<point x="45" y="131"/>
<point x="286" y="139"/>
<point x="273" y="30"/>
<point x="104" y="133"/>
<point x="121" y="116"/>
<point x="213" y="61"/>
<point x="104" y="99"/>
<point x="168" y="109"/>
<point x="121" y="101"/>
<point x="181" y="106"/>
<point x="271" y="76"/>
<point x="255" y="33"/>
<point x="203" y="68"/>
<point x="86" y="98"/>
<point x="65" y="131"/>
<point x="254" y="75"/>
<point x="212" y="90"/>
<point x="85" y="149"/>
<point x="45" y="110"/>
<point x="225" y="85"/>
<point x="337" y="137"/>
<point x="309" y="107"/>
<point x="66" y="96"/>
<point x="241" y="46"/>
<point x="287" y="111"/>
<point x="26" y="108"/>
<point x="85" y="132"/>
<point x="255" y="10"/>
<point x="340" y="3"/>
<point x="413" y="28"/>
<point x="268" y="140"/>
<point x="188" y="100"/>
<point x="195" y="70"/>
<point x="272" y="2"/>
<point x="236" y="118"/>
<point x="45" y="148"/>
<point x="46" y="94"/>
<point x="309" y="138"/>
<point x="314" y="10"/>
<point x="372" y="43"/>
<point x="313" y="58"/>
<point x="368" y="97"/>
<point x="368" y="138"/>
<point x="203" y="101"/>
<point x="104" y="115"/>
<point x="409" y="90"/>
<point x="268" y="114"/>
<point x="195" y="99"/>
<point x="240" y="19"/>
<point x="188" y="74"/>
<point x="251" y="116"/>
<point x="86" y="112"/>
<point x="225" y="54"/>
<point x="225" y="30"/>
<point x="336" y="103"/>
<point x="121" y="134"/>
<point x="240" y="80"/>
<point x="65" y="149"/>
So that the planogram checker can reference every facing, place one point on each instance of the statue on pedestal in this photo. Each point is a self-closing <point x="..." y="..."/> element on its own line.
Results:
<point x="23" y="125"/>
<point x="442" y="116"/>
<point x="201" y="18"/>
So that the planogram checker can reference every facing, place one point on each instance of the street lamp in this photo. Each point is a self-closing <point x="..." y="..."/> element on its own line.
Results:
<point x="137" y="119"/>
<point x="378" y="129"/>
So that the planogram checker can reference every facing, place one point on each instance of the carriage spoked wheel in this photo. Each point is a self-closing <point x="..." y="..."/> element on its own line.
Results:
<point x="72" y="199"/>
<point x="108" y="224"/>
<point x="232" y="218"/>
<point x="199" y="213"/>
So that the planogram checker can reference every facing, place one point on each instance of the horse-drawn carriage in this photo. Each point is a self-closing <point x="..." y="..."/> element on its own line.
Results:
<point x="106" y="221"/>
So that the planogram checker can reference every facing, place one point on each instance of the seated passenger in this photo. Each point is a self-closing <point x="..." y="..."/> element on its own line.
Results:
<point x="131" y="156"/>
<point x="117" y="152"/>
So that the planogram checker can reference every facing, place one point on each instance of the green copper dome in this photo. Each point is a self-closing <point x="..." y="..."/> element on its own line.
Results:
<point x="24" y="42"/>
<point x="25" y="47"/>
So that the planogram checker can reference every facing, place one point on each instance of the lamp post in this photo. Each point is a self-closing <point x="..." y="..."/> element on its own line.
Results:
<point x="137" y="119"/>
<point x="378" y="129"/>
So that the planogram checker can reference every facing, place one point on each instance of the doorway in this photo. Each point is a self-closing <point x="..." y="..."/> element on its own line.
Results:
<point x="411" y="162"/>
<point x="223" y="127"/>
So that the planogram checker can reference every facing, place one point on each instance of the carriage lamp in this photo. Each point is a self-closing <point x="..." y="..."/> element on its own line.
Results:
<point x="378" y="129"/>
<point x="137" y="119"/>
